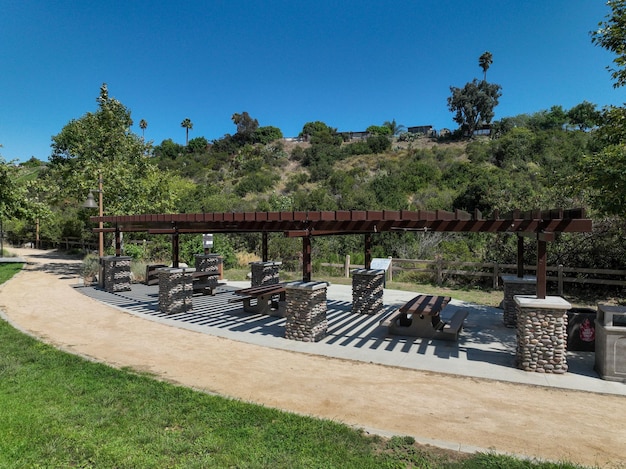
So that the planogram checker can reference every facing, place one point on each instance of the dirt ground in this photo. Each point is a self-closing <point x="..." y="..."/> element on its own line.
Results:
<point x="466" y="413"/>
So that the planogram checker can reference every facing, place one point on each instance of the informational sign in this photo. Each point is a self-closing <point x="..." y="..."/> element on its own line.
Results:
<point x="380" y="264"/>
<point x="207" y="241"/>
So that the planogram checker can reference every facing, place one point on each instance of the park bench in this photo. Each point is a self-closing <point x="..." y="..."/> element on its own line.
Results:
<point x="420" y="317"/>
<point x="262" y="299"/>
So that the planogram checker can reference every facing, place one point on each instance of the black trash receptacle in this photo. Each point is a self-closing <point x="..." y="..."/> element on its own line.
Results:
<point x="581" y="330"/>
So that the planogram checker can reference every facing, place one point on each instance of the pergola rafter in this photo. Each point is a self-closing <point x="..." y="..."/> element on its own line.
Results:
<point x="540" y="224"/>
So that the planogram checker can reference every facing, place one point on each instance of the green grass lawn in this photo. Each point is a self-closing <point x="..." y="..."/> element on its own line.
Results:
<point x="59" y="410"/>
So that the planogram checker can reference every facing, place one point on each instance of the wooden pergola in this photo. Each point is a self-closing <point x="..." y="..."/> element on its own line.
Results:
<point x="542" y="225"/>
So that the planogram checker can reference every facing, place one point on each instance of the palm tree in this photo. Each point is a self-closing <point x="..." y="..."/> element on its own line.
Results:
<point x="396" y="129"/>
<point x="188" y="125"/>
<point x="484" y="61"/>
<point x="142" y="125"/>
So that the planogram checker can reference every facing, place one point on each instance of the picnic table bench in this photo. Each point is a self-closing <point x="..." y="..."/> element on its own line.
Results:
<point x="205" y="282"/>
<point x="420" y="317"/>
<point x="262" y="299"/>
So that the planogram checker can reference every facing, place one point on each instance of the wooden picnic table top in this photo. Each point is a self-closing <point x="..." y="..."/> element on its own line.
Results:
<point x="262" y="289"/>
<point x="427" y="305"/>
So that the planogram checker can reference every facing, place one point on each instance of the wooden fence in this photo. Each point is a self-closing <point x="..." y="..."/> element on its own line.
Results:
<point x="438" y="270"/>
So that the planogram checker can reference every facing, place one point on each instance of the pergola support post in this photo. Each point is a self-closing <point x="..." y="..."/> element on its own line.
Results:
<point x="541" y="269"/>
<point x="118" y="241"/>
<point x="175" y="250"/>
<point x="264" y="246"/>
<point x="306" y="259"/>
<point x="520" y="256"/>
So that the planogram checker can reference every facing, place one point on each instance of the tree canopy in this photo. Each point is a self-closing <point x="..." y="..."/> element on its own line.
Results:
<point x="474" y="104"/>
<point x="611" y="35"/>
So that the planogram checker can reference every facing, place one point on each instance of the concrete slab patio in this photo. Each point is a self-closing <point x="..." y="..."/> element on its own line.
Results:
<point x="486" y="348"/>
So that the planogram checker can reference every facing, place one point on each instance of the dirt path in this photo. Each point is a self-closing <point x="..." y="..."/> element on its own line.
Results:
<point x="581" y="427"/>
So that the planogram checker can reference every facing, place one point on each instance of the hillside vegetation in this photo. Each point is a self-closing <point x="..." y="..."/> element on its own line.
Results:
<point x="535" y="161"/>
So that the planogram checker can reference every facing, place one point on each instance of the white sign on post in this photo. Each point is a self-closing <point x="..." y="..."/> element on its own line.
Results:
<point x="207" y="241"/>
<point x="380" y="264"/>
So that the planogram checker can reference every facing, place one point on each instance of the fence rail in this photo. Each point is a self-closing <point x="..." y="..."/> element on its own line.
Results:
<point x="438" y="270"/>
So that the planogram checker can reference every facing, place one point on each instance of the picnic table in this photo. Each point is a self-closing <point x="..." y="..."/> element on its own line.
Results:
<point x="205" y="282"/>
<point x="263" y="299"/>
<point x="421" y="317"/>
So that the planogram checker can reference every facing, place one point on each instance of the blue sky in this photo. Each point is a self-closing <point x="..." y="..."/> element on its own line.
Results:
<point x="347" y="63"/>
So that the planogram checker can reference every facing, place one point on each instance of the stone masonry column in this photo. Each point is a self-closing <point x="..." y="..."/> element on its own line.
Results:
<point x="212" y="263"/>
<point x="514" y="285"/>
<point x="367" y="291"/>
<point x="265" y="273"/>
<point x="306" y="311"/>
<point x="115" y="273"/>
<point x="175" y="290"/>
<point x="541" y="333"/>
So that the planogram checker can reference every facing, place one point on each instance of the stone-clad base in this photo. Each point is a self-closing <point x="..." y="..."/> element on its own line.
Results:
<point x="212" y="264"/>
<point x="175" y="290"/>
<point x="367" y="291"/>
<point x="514" y="285"/>
<point x="306" y="311"/>
<point x="265" y="273"/>
<point x="116" y="273"/>
<point x="541" y="334"/>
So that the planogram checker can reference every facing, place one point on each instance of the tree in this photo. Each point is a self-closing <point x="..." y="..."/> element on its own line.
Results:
<point x="611" y="35"/>
<point x="584" y="115"/>
<point x="100" y="143"/>
<point x="11" y="195"/>
<point x="473" y="104"/>
<point x="187" y="125"/>
<point x="143" y="125"/>
<point x="246" y="125"/>
<point x="319" y="133"/>
<point x="396" y="129"/>
<point x="379" y="130"/>
<point x="484" y="61"/>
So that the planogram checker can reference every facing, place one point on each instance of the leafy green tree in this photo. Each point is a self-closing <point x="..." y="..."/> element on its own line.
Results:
<point x="611" y="35"/>
<point x="168" y="149"/>
<point x="379" y="130"/>
<point x="319" y="133"/>
<point x="485" y="61"/>
<point x="267" y="134"/>
<point x="474" y="104"/>
<point x="100" y="144"/>
<point x="198" y="145"/>
<point x="187" y="125"/>
<point x="584" y="115"/>
<point x="11" y="194"/>
<point x="246" y="126"/>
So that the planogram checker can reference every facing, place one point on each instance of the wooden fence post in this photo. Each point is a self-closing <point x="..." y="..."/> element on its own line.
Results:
<point x="390" y="273"/>
<point x="496" y="275"/>
<point x="439" y="271"/>
<point x="560" y="279"/>
<point x="346" y="266"/>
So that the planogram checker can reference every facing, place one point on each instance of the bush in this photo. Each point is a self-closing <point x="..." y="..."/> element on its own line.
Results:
<point x="90" y="268"/>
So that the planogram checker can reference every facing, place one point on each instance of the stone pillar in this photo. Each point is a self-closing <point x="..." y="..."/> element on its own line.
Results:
<point x="541" y="333"/>
<point x="115" y="273"/>
<point x="175" y="290"/>
<point x="610" y="356"/>
<point x="514" y="285"/>
<point x="367" y="291"/>
<point x="265" y="273"/>
<point x="212" y="263"/>
<point x="305" y="311"/>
